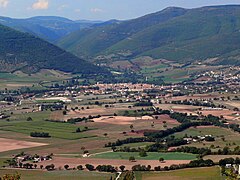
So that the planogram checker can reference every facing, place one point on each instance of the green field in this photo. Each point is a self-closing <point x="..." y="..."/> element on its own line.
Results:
<point x="211" y="173"/>
<point x="58" y="175"/>
<point x="55" y="129"/>
<point x="151" y="156"/>
<point x="214" y="131"/>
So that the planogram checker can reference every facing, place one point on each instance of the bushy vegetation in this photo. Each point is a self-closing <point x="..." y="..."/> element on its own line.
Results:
<point x="143" y="103"/>
<point x="40" y="134"/>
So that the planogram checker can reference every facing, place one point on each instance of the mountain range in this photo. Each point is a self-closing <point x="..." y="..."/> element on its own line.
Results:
<point x="209" y="34"/>
<point x="50" y="28"/>
<point x="176" y="34"/>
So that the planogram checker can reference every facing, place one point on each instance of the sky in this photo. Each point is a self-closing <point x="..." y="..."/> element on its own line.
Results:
<point x="96" y="9"/>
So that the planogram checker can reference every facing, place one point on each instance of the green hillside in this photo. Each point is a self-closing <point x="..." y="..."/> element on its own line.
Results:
<point x="195" y="34"/>
<point x="89" y="42"/>
<point x="21" y="51"/>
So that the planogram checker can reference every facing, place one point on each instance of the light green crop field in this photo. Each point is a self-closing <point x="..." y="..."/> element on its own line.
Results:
<point x="58" y="175"/>
<point x="152" y="69"/>
<point x="211" y="173"/>
<point x="214" y="131"/>
<point x="151" y="156"/>
<point x="55" y="129"/>
<point x="222" y="137"/>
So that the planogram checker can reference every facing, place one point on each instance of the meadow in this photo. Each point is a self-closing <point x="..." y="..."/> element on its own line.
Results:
<point x="150" y="156"/>
<point x="58" y="175"/>
<point x="211" y="173"/>
<point x="19" y="124"/>
<point x="223" y="137"/>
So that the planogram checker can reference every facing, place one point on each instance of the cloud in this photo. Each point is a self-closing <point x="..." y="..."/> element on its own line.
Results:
<point x="40" y="4"/>
<point x="60" y="8"/>
<point x="96" y="10"/>
<point x="4" y="3"/>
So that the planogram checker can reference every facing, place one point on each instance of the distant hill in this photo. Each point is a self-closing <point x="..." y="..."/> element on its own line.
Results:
<point x="90" y="42"/>
<point x="176" y="34"/>
<point x="50" y="28"/>
<point x="22" y="51"/>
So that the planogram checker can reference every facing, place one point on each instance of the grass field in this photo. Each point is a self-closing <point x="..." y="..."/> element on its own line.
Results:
<point x="222" y="136"/>
<point x="151" y="156"/>
<point x="58" y="175"/>
<point x="214" y="131"/>
<point x="56" y="130"/>
<point x="212" y="173"/>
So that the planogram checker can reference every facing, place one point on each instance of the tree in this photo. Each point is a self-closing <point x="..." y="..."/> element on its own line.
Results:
<point x="66" y="166"/>
<point x="35" y="166"/>
<point x="50" y="167"/>
<point x="105" y="134"/>
<point x="64" y="112"/>
<point x="89" y="167"/>
<point x="80" y="167"/>
<point x="142" y="154"/>
<point x="29" y="119"/>
<point x="131" y="126"/>
<point x="122" y="167"/>
<point x="132" y="158"/>
<point x="83" y="148"/>
<point x="78" y="130"/>
<point x="161" y="160"/>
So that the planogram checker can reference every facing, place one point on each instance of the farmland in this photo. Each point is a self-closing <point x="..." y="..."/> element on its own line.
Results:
<point x="19" y="79"/>
<point x="75" y="175"/>
<point x="151" y="156"/>
<point x="187" y="174"/>
<point x="106" y="124"/>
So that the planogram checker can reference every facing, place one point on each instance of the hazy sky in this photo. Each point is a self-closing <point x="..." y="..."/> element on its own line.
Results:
<point x="96" y="9"/>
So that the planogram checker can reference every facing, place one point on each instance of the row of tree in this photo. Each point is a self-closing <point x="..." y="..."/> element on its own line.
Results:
<point x="76" y="120"/>
<point x="40" y="134"/>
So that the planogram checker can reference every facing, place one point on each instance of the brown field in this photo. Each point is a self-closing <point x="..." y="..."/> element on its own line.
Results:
<point x="120" y="120"/>
<point x="233" y="103"/>
<point x="11" y="144"/>
<point x="73" y="162"/>
<point x="166" y="118"/>
<point x="225" y="113"/>
<point x="93" y="111"/>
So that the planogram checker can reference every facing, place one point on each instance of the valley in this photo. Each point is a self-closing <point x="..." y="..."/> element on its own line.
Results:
<point x="153" y="97"/>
